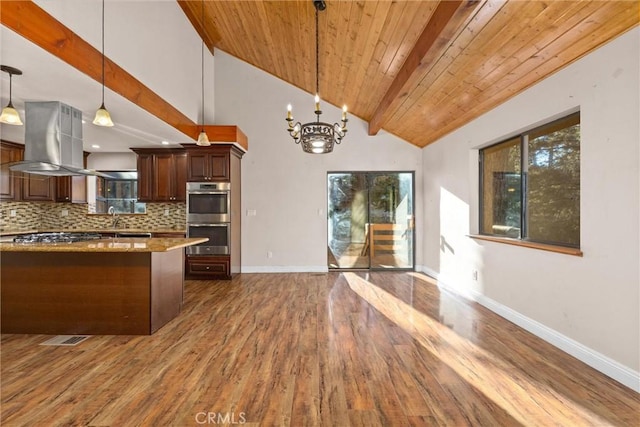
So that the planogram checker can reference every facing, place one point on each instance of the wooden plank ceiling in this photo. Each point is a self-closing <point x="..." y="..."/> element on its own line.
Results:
<point x="418" y="69"/>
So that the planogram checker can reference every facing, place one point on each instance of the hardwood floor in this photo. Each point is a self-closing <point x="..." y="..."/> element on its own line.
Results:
<point x="304" y="349"/>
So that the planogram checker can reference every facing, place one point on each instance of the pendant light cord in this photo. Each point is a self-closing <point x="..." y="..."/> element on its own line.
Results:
<point x="202" y="64"/>
<point x="102" y="54"/>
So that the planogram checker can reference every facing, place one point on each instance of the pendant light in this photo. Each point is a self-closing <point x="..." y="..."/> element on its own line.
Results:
<point x="203" y="139"/>
<point x="10" y="115"/>
<point x="103" y="118"/>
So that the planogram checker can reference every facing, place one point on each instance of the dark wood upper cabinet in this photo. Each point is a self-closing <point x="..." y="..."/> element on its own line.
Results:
<point x="180" y="169"/>
<point x="10" y="181"/>
<point x="145" y="177"/>
<point x="209" y="164"/>
<point x="169" y="173"/>
<point x="18" y="186"/>
<point x="38" y="188"/>
<point x="161" y="174"/>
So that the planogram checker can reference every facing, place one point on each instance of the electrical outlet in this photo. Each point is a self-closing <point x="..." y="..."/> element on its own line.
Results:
<point x="65" y="212"/>
<point x="251" y="212"/>
<point x="12" y="212"/>
<point x="166" y="212"/>
<point x="474" y="275"/>
<point x="269" y="254"/>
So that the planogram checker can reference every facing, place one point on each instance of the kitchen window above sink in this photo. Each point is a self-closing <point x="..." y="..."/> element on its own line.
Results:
<point x="120" y="191"/>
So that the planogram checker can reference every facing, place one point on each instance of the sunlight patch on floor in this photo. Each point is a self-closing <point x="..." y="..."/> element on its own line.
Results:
<point x="526" y="400"/>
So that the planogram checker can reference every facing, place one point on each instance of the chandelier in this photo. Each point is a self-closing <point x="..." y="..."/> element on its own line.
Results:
<point x="317" y="137"/>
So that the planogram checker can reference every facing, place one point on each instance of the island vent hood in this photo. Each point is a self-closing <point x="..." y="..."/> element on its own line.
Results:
<point x="53" y="140"/>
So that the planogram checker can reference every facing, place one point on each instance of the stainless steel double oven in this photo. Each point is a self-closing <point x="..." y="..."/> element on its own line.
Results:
<point x="209" y="215"/>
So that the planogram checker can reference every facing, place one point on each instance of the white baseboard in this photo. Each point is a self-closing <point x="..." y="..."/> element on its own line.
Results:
<point x="596" y="360"/>
<point x="284" y="269"/>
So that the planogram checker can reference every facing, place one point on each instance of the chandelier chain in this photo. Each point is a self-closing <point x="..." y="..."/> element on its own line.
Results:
<point x="317" y="56"/>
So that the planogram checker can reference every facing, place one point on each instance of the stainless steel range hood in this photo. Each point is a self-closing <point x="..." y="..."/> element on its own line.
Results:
<point x="53" y="140"/>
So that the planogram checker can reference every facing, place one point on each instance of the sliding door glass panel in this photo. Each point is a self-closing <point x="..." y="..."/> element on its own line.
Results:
<point x="370" y="220"/>
<point x="347" y="219"/>
<point x="390" y="225"/>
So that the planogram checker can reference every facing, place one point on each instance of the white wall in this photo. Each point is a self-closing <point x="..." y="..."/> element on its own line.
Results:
<point x="589" y="305"/>
<point x="153" y="40"/>
<point x="286" y="187"/>
<point x="112" y="161"/>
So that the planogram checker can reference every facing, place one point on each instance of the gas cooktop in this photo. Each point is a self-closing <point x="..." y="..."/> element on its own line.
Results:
<point x="56" y="237"/>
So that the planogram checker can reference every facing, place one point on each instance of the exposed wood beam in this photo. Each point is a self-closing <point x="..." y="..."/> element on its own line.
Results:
<point x="34" y="24"/>
<point x="222" y="133"/>
<point x="441" y="18"/>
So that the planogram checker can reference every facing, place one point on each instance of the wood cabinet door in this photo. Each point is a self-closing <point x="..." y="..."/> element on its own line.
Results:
<point x="197" y="167"/>
<point x="145" y="177"/>
<point x="9" y="181"/>
<point x="218" y="167"/>
<point x="38" y="187"/>
<point x="63" y="189"/>
<point x="163" y="177"/>
<point x="71" y="189"/>
<point x="180" y="181"/>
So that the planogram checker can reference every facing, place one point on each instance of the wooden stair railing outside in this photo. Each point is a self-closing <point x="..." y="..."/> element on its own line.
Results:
<point x="377" y="233"/>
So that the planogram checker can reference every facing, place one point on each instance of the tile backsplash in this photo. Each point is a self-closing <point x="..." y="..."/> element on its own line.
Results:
<point x="71" y="216"/>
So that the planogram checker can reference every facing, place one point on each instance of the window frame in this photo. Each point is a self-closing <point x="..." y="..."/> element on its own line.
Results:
<point x="524" y="239"/>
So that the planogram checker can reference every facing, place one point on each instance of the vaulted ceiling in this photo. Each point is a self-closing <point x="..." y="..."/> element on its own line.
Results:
<point x="418" y="69"/>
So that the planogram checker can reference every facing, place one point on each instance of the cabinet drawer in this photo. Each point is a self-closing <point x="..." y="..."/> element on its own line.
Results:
<point x="208" y="267"/>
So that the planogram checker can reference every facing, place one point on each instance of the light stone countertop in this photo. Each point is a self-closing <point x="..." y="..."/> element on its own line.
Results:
<point x="16" y="231"/>
<point x="117" y="244"/>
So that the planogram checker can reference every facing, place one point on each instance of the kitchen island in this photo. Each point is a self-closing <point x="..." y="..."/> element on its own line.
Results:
<point x="114" y="286"/>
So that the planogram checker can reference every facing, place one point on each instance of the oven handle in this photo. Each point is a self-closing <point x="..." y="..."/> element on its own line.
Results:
<point x="207" y="192"/>
<point x="224" y="224"/>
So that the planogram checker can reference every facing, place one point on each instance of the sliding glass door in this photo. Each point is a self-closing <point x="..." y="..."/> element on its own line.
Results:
<point x="370" y="220"/>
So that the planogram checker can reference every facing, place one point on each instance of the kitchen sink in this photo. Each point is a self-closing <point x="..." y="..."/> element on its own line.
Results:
<point x="131" y="234"/>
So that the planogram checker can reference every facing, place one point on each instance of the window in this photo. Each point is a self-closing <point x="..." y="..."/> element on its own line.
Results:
<point x="120" y="191"/>
<point x="530" y="185"/>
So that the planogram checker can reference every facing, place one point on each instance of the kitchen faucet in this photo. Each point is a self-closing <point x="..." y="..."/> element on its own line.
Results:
<point x="115" y="218"/>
